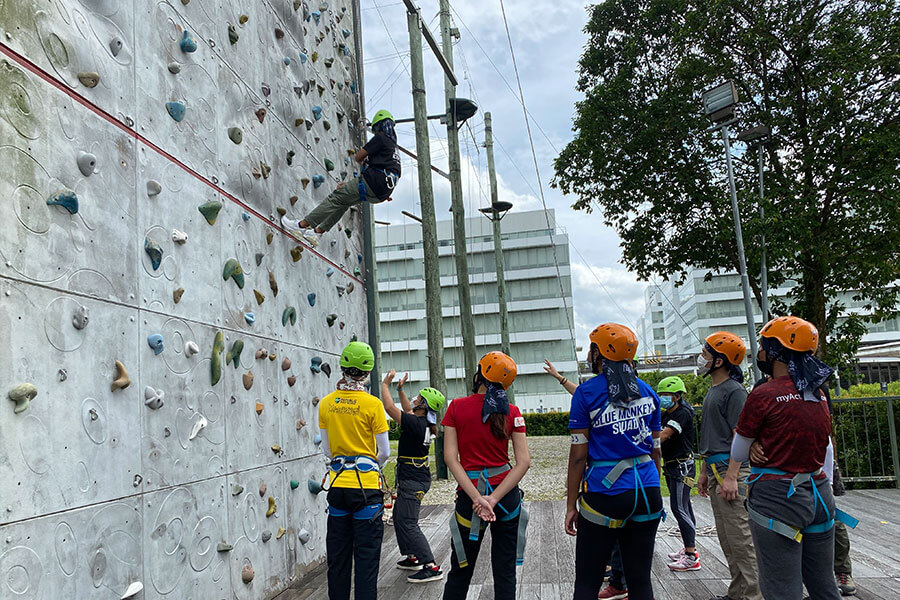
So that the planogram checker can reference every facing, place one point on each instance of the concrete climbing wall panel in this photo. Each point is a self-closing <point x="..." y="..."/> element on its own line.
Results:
<point x="166" y="344"/>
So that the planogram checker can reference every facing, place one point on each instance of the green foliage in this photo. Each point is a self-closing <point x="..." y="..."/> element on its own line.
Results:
<point x="696" y="385"/>
<point x="822" y="75"/>
<point x="554" y="423"/>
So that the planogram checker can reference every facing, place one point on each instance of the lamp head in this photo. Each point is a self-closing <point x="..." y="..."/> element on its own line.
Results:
<point x="719" y="102"/>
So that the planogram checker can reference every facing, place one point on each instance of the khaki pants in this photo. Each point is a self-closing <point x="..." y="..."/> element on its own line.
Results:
<point x="733" y="529"/>
<point x="841" y="549"/>
<point x="332" y="208"/>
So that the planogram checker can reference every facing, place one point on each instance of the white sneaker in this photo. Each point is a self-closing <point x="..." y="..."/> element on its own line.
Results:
<point x="311" y="236"/>
<point x="676" y="555"/>
<point x="291" y="225"/>
<point x="307" y="233"/>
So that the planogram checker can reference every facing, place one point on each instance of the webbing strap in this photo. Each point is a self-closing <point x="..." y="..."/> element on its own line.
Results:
<point x="521" y="533"/>
<point x="775" y="525"/>
<point x="618" y="467"/>
<point x="712" y="459"/>
<point x="599" y="518"/>
<point x="456" y="538"/>
<point x="418" y="462"/>
<point x="363" y="464"/>
<point x="797" y="479"/>
<point x="364" y="514"/>
<point x="846" y="519"/>
<point x="484" y="487"/>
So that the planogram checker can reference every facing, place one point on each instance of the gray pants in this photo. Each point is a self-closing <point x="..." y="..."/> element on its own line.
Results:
<point x="785" y="566"/>
<point x="406" y="519"/>
<point x="332" y="208"/>
<point x="733" y="530"/>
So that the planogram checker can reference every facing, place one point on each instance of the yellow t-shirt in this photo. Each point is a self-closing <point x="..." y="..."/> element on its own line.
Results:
<point x="352" y="420"/>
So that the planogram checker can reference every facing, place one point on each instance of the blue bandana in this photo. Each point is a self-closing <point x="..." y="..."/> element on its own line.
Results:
<point x="622" y="382"/>
<point x="807" y="372"/>
<point x="495" y="401"/>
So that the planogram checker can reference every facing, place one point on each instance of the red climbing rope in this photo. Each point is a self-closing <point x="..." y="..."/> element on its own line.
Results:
<point x="35" y="69"/>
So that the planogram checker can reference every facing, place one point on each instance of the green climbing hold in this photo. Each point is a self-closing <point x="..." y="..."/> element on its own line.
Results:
<point x="329" y="165"/>
<point x="215" y="365"/>
<point x="349" y="233"/>
<point x="234" y="355"/>
<point x="235" y="135"/>
<point x="289" y="314"/>
<point x="233" y="271"/>
<point x="232" y="34"/>
<point x="22" y="395"/>
<point x="154" y="252"/>
<point x="294" y="484"/>
<point x="67" y="199"/>
<point x="330" y="319"/>
<point x="210" y="210"/>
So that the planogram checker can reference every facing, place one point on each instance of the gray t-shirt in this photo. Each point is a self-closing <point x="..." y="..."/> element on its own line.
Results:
<point x="721" y="408"/>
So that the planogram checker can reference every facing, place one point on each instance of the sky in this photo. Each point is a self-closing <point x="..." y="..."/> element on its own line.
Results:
<point x="547" y="38"/>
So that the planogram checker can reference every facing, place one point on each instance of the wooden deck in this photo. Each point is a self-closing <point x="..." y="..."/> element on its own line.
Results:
<point x="549" y="570"/>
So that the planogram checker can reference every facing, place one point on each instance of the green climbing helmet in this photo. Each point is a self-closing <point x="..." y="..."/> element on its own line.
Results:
<point x="433" y="398"/>
<point x="358" y="355"/>
<point x="381" y="115"/>
<point x="671" y="385"/>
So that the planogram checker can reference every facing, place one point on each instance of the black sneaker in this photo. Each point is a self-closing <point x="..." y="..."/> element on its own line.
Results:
<point x="410" y="564"/>
<point x="426" y="574"/>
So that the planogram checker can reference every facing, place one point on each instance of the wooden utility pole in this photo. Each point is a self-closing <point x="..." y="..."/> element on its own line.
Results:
<point x="466" y="320"/>
<point x="498" y="244"/>
<point x="433" y="314"/>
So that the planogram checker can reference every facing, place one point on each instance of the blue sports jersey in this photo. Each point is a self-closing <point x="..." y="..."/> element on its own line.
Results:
<point x="616" y="433"/>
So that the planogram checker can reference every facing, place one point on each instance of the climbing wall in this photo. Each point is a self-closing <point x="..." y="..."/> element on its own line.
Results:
<point x="164" y="344"/>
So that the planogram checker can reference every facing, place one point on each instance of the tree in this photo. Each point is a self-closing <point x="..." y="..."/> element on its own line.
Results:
<point x="823" y="75"/>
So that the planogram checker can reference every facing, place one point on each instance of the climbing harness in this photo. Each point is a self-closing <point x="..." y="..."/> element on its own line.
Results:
<point x="419" y="462"/>
<point x="797" y="479"/>
<point x="618" y="468"/>
<point x="476" y="526"/>
<point x="360" y="464"/>
<point x="684" y="466"/>
<point x="713" y="459"/>
<point x="390" y="180"/>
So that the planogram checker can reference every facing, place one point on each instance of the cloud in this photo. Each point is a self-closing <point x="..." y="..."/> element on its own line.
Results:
<point x="604" y="294"/>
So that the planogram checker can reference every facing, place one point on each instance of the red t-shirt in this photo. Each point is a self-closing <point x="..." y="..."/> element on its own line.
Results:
<point x="478" y="448"/>
<point x="794" y="433"/>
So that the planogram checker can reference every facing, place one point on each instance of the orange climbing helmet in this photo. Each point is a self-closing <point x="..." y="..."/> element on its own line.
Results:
<point x="615" y="342"/>
<point x="728" y="345"/>
<point x="793" y="333"/>
<point x="497" y="367"/>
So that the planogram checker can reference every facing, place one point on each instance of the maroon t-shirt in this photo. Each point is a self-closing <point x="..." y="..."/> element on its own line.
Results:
<point x="478" y="448"/>
<point x="794" y="433"/>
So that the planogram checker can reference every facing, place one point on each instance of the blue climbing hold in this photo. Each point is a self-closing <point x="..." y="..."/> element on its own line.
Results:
<point x="250" y="318"/>
<point x="317" y="112"/>
<point x="316" y="15"/>
<point x="318" y="180"/>
<point x="303" y="58"/>
<point x="359" y="258"/>
<point x="245" y="216"/>
<point x="346" y="32"/>
<point x="315" y="364"/>
<point x="353" y="86"/>
<point x="346" y="51"/>
<point x="176" y="110"/>
<point x="154" y="252"/>
<point x="317" y="439"/>
<point x="67" y="199"/>
<point x="311" y="297"/>
<point x="329" y="272"/>
<point x="188" y="44"/>
<point x="287" y="60"/>
<point x="155" y="341"/>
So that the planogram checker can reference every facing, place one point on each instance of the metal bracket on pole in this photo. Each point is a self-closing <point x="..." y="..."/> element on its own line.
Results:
<point x="432" y="43"/>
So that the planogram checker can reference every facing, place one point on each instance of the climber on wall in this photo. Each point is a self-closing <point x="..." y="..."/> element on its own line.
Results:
<point x="380" y="172"/>
<point x="418" y="426"/>
<point x="355" y="441"/>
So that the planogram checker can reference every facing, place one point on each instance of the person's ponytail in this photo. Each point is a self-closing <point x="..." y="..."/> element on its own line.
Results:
<point x="499" y="425"/>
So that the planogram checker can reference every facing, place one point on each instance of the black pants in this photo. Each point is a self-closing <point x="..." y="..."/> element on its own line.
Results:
<point x="410" y="538"/>
<point x="680" y="500"/>
<point x="504" y="537"/>
<point x="595" y="543"/>
<point x="617" y="574"/>
<point x="350" y="539"/>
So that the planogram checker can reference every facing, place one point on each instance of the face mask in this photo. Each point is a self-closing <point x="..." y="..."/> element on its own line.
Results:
<point x="702" y="365"/>
<point x="764" y="366"/>
<point x="666" y="402"/>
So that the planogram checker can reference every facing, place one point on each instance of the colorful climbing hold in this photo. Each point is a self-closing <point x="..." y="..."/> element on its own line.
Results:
<point x="291" y="380"/>
<point x="224" y="547"/>
<point x="276" y="449"/>
<point x="328" y="62"/>
<point x="67" y="199"/>
<point x="187" y="43"/>
<point x="237" y="490"/>
<point x="329" y="165"/>
<point x="86" y="162"/>
<point x="286" y="364"/>
<point x="80" y="318"/>
<point x="89" y="79"/>
<point x="272" y="507"/>
<point x="281" y="532"/>
<point x="259" y="297"/>
<point x="233" y="34"/>
<point x="235" y="135"/>
<point x="327" y="125"/>
<point x="153" y="399"/>
<point x="210" y="210"/>
<point x="318" y="180"/>
<point x="122" y="379"/>
<point x="279" y="33"/>
<point x="304" y="181"/>
<point x="132" y="590"/>
<point x="259" y="408"/>
<point x="266" y="536"/>
<point x="316" y="15"/>
<point x="315" y="402"/>
<point x="315" y="364"/>
<point x="234" y="354"/>
<point x="262" y="489"/>
<point x="177" y="294"/>
<point x="261" y="114"/>
<point x="176" y="110"/>
<point x="245" y="216"/>
<point x="300" y="424"/>
<point x="350" y="287"/>
<point x="247" y="379"/>
<point x="311" y="298"/>
<point x="264" y="169"/>
<point x="155" y="341"/>
<point x="174" y="68"/>
<point x="232" y="270"/>
<point x="243" y="19"/>
<point x="286" y="60"/>
<point x="250" y="318"/>
<point x="215" y="366"/>
<point x="345" y="32"/>
<point x="329" y="272"/>
<point x="340" y="290"/>
<point x="153" y="188"/>
<point x="330" y="319"/>
<point x="269" y="237"/>
<point x="349" y="233"/>
<point x="191" y="348"/>
<point x="290" y="161"/>
<point x="22" y="395"/>
<point x="261" y="353"/>
<point x="326" y="368"/>
<point x="296" y="253"/>
<point x="259" y="256"/>
<point x="273" y="285"/>
<point x="153" y="251"/>
<point x="247" y="573"/>
<point x="315" y="56"/>
<point x="313" y="486"/>
<point x="289" y="314"/>
<point x="317" y="112"/>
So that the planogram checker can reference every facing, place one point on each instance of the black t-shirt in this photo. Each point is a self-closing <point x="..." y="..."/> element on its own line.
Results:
<point x="414" y="432"/>
<point x="681" y="444"/>
<point x="383" y="156"/>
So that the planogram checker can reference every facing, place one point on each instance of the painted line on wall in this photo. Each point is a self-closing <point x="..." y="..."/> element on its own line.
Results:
<point x="41" y="73"/>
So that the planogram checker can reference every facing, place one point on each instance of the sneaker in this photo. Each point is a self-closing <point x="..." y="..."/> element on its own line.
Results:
<point x="612" y="593"/>
<point x="426" y="574"/>
<point x="687" y="562"/>
<point x="410" y="564"/>
<point x="291" y="225"/>
<point x="307" y="233"/>
<point x="676" y="555"/>
<point x="845" y="584"/>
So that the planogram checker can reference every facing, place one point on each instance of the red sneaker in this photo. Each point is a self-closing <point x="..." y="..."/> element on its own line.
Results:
<point x="612" y="593"/>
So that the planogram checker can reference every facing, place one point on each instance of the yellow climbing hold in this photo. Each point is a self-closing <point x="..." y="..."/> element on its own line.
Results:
<point x="272" y="507"/>
<point x="281" y="532"/>
<point x="259" y="296"/>
<point x="259" y="407"/>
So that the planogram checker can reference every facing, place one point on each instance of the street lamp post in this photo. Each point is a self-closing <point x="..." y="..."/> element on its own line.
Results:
<point x="758" y="136"/>
<point x="718" y="104"/>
